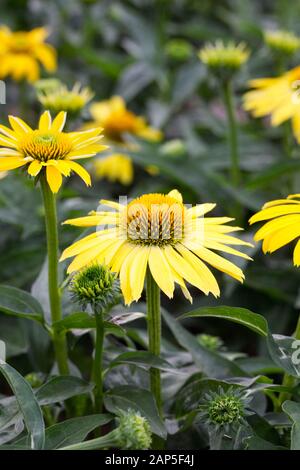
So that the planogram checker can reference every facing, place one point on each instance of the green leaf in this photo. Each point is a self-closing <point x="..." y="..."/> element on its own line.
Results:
<point x="82" y="321"/>
<point x="257" y="443"/>
<point x="292" y="409"/>
<point x="19" y="303"/>
<point x="285" y="352"/>
<point x="127" y="397"/>
<point x="71" y="431"/>
<point x="143" y="359"/>
<point x="28" y="405"/>
<point x="61" y="388"/>
<point x="209" y="362"/>
<point x="243" y="316"/>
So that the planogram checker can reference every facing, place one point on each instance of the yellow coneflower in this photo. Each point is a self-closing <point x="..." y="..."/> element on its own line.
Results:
<point x="282" y="226"/>
<point x="159" y="232"/>
<point x="22" y="52"/>
<point x="282" y="41"/>
<point x="118" y="121"/>
<point x="47" y="148"/>
<point x="115" y="167"/>
<point x="60" y="98"/>
<point x="279" y="97"/>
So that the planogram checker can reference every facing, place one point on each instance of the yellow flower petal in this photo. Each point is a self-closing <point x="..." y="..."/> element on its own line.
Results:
<point x="161" y="271"/>
<point x="54" y="178"/>
<point x="34" y="168"/>
<point x="19" y="126"/>
<point x="45" y="121"/>
<point x="10" y="163"/>
<point x="84" y="175"/>
<point x="59" y="122"/>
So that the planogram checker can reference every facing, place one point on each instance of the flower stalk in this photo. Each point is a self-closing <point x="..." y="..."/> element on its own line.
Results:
<point x="232" y="132"/>
<point x="59" y="338"/>
<point x="154" y="335"/>
<point x="97" y="366"/>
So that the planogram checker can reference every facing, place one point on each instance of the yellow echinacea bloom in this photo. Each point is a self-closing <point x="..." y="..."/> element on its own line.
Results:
<point x="118" y="121"/>
<point x="22" y="52"/>
<point x="278" y="97"/>
<point x="282" y="225"/>
<point x="158" y="232"/>
<point x="47" y="148"/>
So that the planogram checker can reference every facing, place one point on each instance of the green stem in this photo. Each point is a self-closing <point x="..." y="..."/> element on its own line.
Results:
<point x="154" y="335"/>
<point x="104" y="442"/>
<point x="289" y="380"/>
<point x="97" y="368"/>
<point x="232" y="133"/>
<point x="59" y="338"/>
<point x="154" y="338"/>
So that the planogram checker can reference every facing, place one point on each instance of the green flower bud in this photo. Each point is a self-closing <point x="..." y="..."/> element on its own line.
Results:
<point x="211" y="342"/>
<point x="58" y="97"/>
<point x="179" y="49"/>
<point x="224" y="60"/>
<point x="34" y="379"/>
<point x="282" y="41"/>
<point x="133" y="432"/>
<point x="96" y="286"/>
<point x="225" y="409"/>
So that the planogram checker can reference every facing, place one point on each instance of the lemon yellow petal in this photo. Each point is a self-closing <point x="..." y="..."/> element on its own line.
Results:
<point x="54" y="178"/>
<point x="161" y="271"/>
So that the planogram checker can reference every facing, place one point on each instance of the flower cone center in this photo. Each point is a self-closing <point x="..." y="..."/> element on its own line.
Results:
<point x="44" y="146"/>
<point x="155" y="219"/>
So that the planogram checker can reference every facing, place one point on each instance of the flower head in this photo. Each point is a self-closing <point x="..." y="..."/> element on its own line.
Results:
<point x="60" y="98"/>
<point x="133" y="432"/>
<point x="47" y="148"/>
<point x="117" y="122"/>
<point x="282" y="41"/>
<point x="115" y="167"/>
<point x="224" y="59"/>
<point x="159" y="232"/>
<point x="278" y="97"/>
<point x="22" y="52"/>
<point x="224" y="410"/>
<point x="97" y="286"/>
<point x="282" y="226"/>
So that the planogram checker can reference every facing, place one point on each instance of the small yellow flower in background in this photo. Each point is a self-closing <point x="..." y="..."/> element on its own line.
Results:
<point x="283" y="226"/>
<point x="22" y="52"/>
<point x="47" y="148"/>
<point x="118" y="121"/>
<point x="115" y="167"/>
<point x="2" y="174"/>
<point x="60" y="98"/>
<point x="282" y="41"/>
<point x="279" y="97"/>
<point x="159" y="232"/>
<point x="222" y="57"/>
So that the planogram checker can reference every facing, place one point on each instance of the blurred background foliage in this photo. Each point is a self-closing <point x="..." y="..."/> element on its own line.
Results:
<point x="146" y="51"/>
